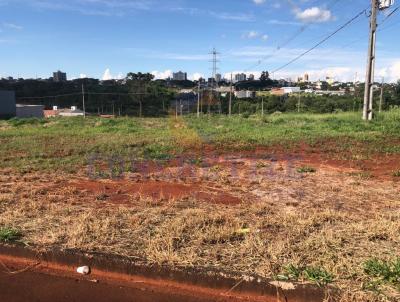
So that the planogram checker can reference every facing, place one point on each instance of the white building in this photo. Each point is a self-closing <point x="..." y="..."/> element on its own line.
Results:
<point x="74" y="111"/>
<point x="245" y="94"/>
<point x="290" y="90"/>
<point x="240" y="77"/>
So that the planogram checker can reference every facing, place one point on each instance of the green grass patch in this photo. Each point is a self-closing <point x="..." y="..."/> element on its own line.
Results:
<point x="383" y="271"/>
<point x="9" y="234"/>
<point x="66" y="143"/>
<point x="315" y="275"/>
<point x="396" y="173"/>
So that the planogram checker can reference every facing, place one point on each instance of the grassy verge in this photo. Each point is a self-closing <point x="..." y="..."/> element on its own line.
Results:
<point x="67" y="144"/>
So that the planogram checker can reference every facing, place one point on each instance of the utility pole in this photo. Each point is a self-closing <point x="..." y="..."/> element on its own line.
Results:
<point x="381" y="98"/>
<point x="83" y="101"/>
<point x="198" y="101"/>
<point x="230" y="98"/>
<point x="369" y="78"/>
<point x="299" y="103"/>
<point x="262" y="106"/>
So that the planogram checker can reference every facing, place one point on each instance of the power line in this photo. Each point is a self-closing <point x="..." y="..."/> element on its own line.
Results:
<point x="78" y="93"/>
<point x="379" y="29"/>
<point x="321" y="42"/>
<point x="291" y="38"/>
<point x="50" y="96"/>
<point x="390" y="14"/>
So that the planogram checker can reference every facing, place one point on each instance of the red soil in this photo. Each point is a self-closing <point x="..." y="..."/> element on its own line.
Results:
<point x="22" y="279"/>
<point x="151" y="175"/>
<point x="122" y="191"/>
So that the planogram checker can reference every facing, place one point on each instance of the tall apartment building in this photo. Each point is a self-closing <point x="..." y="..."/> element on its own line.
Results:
<point x="240" y="77"/>
<point x="179" y="76"/>
<point x="59" y="76"/>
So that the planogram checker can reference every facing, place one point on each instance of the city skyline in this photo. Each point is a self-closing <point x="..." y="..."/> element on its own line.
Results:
<point x="113" y="38"/>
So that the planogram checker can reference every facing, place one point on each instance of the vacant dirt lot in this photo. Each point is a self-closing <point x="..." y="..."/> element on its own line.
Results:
<point x="262" y="213"/>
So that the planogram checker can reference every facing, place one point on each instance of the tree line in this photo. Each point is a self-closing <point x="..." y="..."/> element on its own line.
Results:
<point x="140" y="95"/>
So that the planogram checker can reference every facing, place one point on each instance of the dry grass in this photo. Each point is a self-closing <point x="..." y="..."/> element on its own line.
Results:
<point x="328" y="220"/>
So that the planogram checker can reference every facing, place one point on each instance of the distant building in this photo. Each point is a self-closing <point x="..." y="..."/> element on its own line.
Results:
<point x="51" y="113"/>
<point x="331" y="92"/>
<point x="74" y="111"/>
<point x="245" y="94"/>
<point x="290" y="90"/>
<point x="306" y="77"/>
<point x="27" y="111"/>
<point x="59" y="76"/>
<point x="240" y="77"/>
<point x="330" y="80"/>
<point x="218" y="77"/>
<point x="251" y="77"/>
<point x="179" y="76"/>
<point x="278" y="92"/>
<point x="7" y="104"/>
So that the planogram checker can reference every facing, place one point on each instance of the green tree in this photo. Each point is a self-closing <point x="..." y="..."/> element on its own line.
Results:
<point x="264" y="76"/>
<point x="138" y="84"/>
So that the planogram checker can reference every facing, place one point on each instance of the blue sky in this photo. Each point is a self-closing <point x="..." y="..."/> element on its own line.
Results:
<point x="108" y="38"/>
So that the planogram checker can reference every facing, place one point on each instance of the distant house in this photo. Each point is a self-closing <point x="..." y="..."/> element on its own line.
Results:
<point x="73" y="111"/>
<point x="290" y="90"/>
<point x="27" y="111"/>
<point x="278" y="92"/>
<point x="51" y="113"/>
<point x="7" y="104"/>
<point x="245" y="94"/>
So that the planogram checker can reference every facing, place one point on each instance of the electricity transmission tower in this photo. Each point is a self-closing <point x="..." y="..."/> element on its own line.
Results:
<point x="214" y="68"/>
<point x="376" y="5"/>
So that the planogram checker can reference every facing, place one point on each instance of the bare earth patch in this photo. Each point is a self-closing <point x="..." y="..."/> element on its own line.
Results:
<point x="248" y="214"/>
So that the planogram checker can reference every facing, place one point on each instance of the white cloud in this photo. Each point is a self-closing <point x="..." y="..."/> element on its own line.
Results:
<point x="196" y="76"/>
<point x="108" y="76"/>
<point x="251" y="35"/>
<point x="242" y="17"/>
<point x="254" y="35"/>
<point x="390" y="73"/>
<point x="258" y="2"/>
<point x="280" y="22"/>
<point x="313" y="15"/>
<point x="92" y="7"/>
<point x="162" y="75"/>
<point x="12" y="26"/>
<point x="83" y="76"/>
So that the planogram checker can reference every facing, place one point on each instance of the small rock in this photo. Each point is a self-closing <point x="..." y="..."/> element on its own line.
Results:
<point x="83" y="270"/>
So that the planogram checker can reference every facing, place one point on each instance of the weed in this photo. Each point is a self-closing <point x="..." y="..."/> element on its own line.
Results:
<point x="396" y="173"/>
<point x="306" y="169"/>
<point x="362" y="175"/>
<point x="316" y="275"/>
<point x="9" y="234"/>
<point x="291" y="272"/>
<point x="386" y="271"/>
